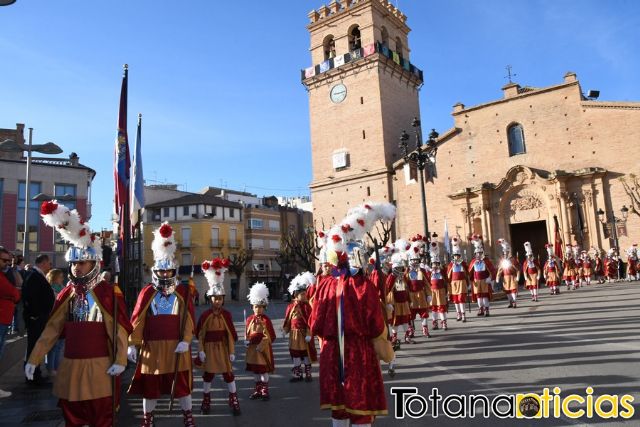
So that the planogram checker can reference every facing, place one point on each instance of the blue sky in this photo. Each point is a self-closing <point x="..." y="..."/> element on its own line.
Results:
<point x="218" y="83"/>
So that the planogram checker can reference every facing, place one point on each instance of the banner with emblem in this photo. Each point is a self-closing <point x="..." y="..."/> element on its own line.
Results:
<point x="369" y="49"/>
<point x="325" y="66"/>
<point x="339" y="60"/>
<point x="309" y="72"/>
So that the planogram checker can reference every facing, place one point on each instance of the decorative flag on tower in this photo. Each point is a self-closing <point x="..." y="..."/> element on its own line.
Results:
<point x="557" y="243"/>
<point x="121" y="162"/>
<point x="137" y="180"/>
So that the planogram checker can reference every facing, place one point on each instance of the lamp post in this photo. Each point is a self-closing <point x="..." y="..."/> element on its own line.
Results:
<point x="10" y="145"/>
<point x="42" y="197"/>
<point x="423" y="155"/>
<point x="611" y="219"/>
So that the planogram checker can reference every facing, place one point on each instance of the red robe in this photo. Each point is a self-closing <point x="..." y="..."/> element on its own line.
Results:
<point x="489" y="272"/>
<point x="219" y="341"/>
<point x="531" y="273"/>
<point x="158" y="336"/>
<point x="296" y="322"/>
<point x="260" y="362"/>
<point x="361" y="390"/>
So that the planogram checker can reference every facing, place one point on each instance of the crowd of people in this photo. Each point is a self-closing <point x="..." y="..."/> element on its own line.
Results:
<point x="355" y="311"/>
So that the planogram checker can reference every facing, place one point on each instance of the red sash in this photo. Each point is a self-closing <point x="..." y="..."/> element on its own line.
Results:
<point x="215" y="336"/>
<point x="85" y="340"/>
<point x="162" y="327"/>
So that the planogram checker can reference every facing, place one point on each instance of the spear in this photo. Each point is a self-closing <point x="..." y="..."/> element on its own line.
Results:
<point x="183" y="324"/>
<point x="114" y="349"/>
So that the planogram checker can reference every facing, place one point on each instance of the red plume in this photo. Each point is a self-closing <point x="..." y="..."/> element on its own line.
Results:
<point x="321" y="234"/>
<point x="225" y="263"/>
<point x="166" y="231"/>
<point x="336" y="238"/>
<point x="48" y="207"/>
<point x="206" y="265"/>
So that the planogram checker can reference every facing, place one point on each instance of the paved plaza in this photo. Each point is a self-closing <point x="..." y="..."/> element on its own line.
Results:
<point x="577" y="339"/>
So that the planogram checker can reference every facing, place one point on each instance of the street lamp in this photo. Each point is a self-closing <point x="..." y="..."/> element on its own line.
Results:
<point x="42" y="197"/>
<point x="10" y="145"/>
<point x="422" y="156"/>
<point x="610" y="218"/>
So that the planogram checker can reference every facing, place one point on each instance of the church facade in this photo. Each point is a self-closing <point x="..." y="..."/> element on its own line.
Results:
<point x="509" y="168"/>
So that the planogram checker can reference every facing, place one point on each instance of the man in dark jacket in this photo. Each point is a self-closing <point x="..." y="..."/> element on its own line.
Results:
<point x="38" y="298"/>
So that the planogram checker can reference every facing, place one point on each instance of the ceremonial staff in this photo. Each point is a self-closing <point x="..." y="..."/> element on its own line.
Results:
<point x="183" y="323"/>
<point x="114" y="350"/>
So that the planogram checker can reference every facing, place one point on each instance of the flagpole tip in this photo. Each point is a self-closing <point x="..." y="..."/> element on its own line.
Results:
<point x="125" y="66"/>
<point x="139" y="116"/>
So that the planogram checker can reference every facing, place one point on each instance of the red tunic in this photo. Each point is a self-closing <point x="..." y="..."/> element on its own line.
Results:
<point x="399" y="297"/>
<point x="362" y="391"/>
<point x="531" y="271"/>
<point x="611" y="267"/>
<point x="217" y="344"/>
<point x="438" y="291"/>
<point x="552" y="272"/>
<point x="260" y="331"/>
<point x="478" y="276"/>
<point x="296" y="323"/>
<point x="458" y="281"/>
<point x="599" y="270"/>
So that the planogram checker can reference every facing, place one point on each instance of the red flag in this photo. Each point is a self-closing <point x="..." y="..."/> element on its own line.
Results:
<point x="121" y="162"/>
<point x="557" y="244"/>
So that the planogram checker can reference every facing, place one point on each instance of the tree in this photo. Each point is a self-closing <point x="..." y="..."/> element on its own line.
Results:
<point x="383" y="233"/>
<point x="301" y="249"/>
<point x="632" y="189"/>
<point x="238" y="262"/>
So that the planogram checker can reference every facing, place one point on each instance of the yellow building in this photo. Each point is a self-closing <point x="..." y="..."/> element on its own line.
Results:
<point x="205" y="227"/>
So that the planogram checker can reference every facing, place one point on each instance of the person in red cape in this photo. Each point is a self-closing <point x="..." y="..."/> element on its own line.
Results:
<point x="163" y="323"/>
<point x="551" y="270"/>
<point x="509" y="270"/>
<point x="531" y="271"/>
<point x="611" y="266"/>
<point x="84" y="314"/>
<point x="349" y="320"/>
<point x="438" y="284"/>
<point x="302" y="347"/>
<point x="260" y="336"/>
<point x="481" y="273"/>
<point x="419" y="289"/>
<point x="217" y="337"/>
<point x="586" y="267"/>
<point x="458" y="280"/>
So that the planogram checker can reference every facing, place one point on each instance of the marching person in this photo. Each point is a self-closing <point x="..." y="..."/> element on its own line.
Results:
<point x="586" y="267"/>
<point x="611" y="266"/>
<point x="259" y="338"/>
<point x="84" y="314"/>
<point x="510" y="273"/>
<point x="217" y="337"/>
<point x="438" y="283"/>
<point x="578" y="262"/>
<point x="163" y="323"/>
<point x="532" y="271"/>
<point x="302" y="347"/>
<point x="481" y="272"/>
<point x="632" y="263"/>
<point x="569" y="268"/>
<point x="599" y="266"/>
<point x="351" y="324"/>
<point x="458" y="279"/>
<point x="551" y="271"/>
<point x="419" y="288"/>
<point x="398" y="294"/>
<point x="9" y="297"/>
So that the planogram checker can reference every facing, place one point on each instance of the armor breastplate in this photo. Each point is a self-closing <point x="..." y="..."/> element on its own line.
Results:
<point x="479" y="266"/>
<point x="85" y="309"/>
<point x="164" y="305"/>
<point x="436" y="275"/>
<point x="399" y="284"/>
<point x="531" y="264"/>
<point x="457" y="268"/>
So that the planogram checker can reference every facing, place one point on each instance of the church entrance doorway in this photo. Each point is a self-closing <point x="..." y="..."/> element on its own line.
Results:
<point x="534" y="232"/>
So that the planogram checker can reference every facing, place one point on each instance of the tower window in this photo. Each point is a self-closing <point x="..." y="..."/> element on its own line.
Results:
<point x="355" y="42"/>
<point x="399" y="46"/>
<point x="515" y="135"/>
<point x="329" y="47"/>
<point x="364" y="135"/>
<point x="385" y="37"/>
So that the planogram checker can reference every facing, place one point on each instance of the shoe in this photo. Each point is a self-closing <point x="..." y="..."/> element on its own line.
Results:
<point x="464" y="318"/>
<point x="480" y="312"/>
<point x="510" y="304"/>
<point x="486" y="312"/>
<point x="514" y="305"/>
<point x="394" y="341"/>
<point x="391" y="372"/>
<point x="4" y="394"/>
<point x="444" y="325"/>
<point x="257" y="392"/>
<point x="234" y="404"/>
<point x="407" y="338"/>
<point x="187" y="418"/>
<point x="147" y="420"/>
<point x="206" y="403"/>
<point x="412" y="332"/>
<point x="297" y="374"/>
<point x="458" y="317"/>
<point x="264" y="393"/>
<point x="425" y="332"/>
<point x="307" y="373"/>
<point x="434" y="325"/>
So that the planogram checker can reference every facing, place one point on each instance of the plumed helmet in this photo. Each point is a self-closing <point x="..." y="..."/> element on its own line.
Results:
<point x="85" y="246"/>
<point x="301" y="282"/>
<point x="528" y="251"/>
<point x="214" y="271"/>
<point x="549" y="248"/>
<point x="434" y="252"/>
<point x="164" y="248"/>
<point x="478" y="246"/>
<point x="506" y="248"/>
<point x="455" y="246"/>
<point x="259" y="294"/>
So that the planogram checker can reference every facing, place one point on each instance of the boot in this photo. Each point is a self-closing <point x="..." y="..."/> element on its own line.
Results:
<point x="234" y="404"/>
<point x="412" y="332"/>
<point x="464" y="318"/>
<point x="407" y="338"/>
<point x="206" y="403"/>
<point x="515" y="305"/>
<point x="188" y="419"/>
<point x="264" y="393"/>
<point x="458" y="317"/>
<point x="425" y="331"/>
<point x="147" y="420"/>
<point x="486" y="312"/>
<point x="257" y="392"/>
<point x="394" y="341"/>
<point x="434" y="325"/>
<point x="297" y="374"/>
<point x="307" y="373"/>
<point x="480" y="312"/>
<point x="510" y="305"/>
<point x="391" y="371"/>
<point x="444" y="325"/>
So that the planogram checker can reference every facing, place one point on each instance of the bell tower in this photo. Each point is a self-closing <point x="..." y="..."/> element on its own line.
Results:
<point x="363" y="91"/>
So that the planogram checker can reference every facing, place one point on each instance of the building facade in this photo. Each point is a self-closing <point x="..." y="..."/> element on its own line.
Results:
<point x="507" y="168"/>
<point x="67" y="180"/>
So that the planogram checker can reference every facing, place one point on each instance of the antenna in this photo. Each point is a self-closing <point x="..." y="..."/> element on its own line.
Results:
<point x="509" y="73"/>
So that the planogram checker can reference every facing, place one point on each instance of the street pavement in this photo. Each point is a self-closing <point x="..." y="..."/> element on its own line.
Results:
<point x="587" y="337"/>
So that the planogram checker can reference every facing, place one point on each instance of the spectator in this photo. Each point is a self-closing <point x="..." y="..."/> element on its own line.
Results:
<point x="14" y="274"/>
<point x="55" y="277"/>
<point x="9" y="296"/>
<point x="38" y="298"/>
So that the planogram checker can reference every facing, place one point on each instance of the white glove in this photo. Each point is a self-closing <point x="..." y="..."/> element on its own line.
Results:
<point x="132" y="354"/>
<point x="29" y="370"/>
<point x="202" y="356"/>
<point x="115" y="370"/>
<point x="232" y="358"/>
<point x="389" y="307"/>
<point x="182" y="347"/>
<point x="307" y="339"/>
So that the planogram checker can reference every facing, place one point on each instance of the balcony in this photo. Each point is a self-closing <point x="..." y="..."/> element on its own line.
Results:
<point x="234" y="244"/>
<point x="216" y="243"/>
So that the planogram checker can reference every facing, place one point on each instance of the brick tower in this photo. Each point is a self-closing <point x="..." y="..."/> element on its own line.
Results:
<point x="363" y="91"/>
